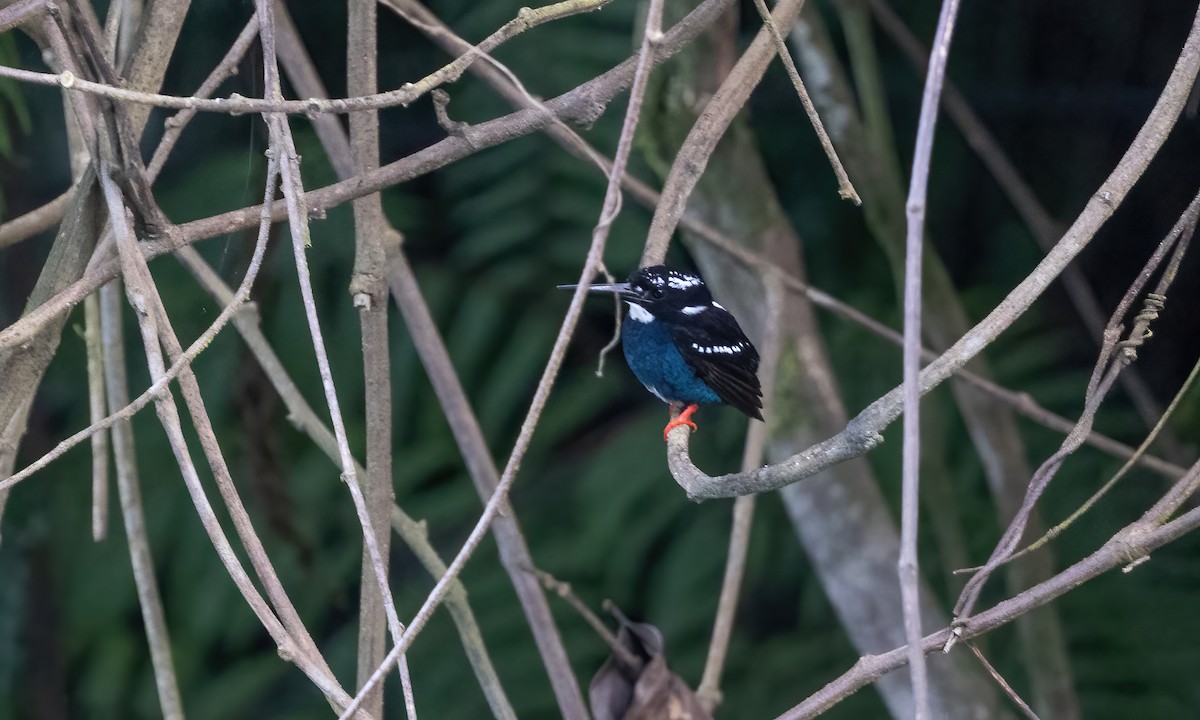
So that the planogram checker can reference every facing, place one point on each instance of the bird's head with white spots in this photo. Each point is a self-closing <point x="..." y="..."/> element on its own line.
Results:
<point x="663" y="293"/>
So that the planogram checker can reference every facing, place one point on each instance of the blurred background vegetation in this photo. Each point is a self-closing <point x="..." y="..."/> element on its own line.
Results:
<point x="1063" y="85"/>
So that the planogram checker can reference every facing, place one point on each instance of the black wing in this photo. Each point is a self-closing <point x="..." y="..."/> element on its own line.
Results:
<point x="717" y="349"/>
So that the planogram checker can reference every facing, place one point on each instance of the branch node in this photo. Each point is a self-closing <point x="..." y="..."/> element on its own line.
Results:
<point x="956" y="631"/>
<point x="66" y="78"/>
<point x="408" y="93"/>
<point x="454" y="128"/>
<point x="234" y="99"/>
<point x="367" y="290"/>
<point x="1135" y="563"/>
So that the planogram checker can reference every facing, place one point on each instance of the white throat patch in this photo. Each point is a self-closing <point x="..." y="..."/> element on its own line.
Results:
<point x="637" y="313"/>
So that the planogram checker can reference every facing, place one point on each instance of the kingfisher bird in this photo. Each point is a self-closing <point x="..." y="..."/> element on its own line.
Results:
<point x="683" y="346"/>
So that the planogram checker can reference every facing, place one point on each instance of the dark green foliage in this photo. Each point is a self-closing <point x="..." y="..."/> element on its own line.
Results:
<point x="489" y="237"/>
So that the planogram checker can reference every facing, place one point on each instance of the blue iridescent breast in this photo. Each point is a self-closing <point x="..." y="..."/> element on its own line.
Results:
<point x="652" y="356"/>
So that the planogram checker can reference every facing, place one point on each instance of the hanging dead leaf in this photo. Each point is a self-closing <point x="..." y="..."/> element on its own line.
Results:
<point x="645" y="691"/>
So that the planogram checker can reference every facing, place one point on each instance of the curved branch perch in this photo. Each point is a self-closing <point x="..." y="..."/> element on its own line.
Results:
<point x="863" y="432"/>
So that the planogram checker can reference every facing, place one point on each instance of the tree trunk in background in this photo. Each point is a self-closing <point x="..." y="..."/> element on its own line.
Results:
<point x="840" y="515"/>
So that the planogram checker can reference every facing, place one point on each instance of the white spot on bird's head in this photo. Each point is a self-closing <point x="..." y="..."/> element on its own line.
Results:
<point x="637" y="313"/>
<point x="682" y="281"/>
<point x="694" y="309"/>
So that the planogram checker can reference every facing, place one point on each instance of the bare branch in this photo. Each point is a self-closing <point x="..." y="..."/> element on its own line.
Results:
<point x="1134" y="542"/>
<point x="19" y="12"/>
<point x="96" y="404"/>
<point x="124" y="453"/>
<point x="237" y="105"/>
<point x="845" y="187"/>
<point x="564" y="591"/>
<point x="305" y="419"/>
<point x="368" y="288"/>
<point x="1113" y="359"/>
<point x="918" y="192"/>
<point x="1008" y="690"/>
<point x="298" y="65"/>
<point x="35" y="221"/>
<point x="709" y="690"/>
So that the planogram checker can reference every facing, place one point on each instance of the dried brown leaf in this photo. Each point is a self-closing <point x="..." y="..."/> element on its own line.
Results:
<point x="649" y="692"/>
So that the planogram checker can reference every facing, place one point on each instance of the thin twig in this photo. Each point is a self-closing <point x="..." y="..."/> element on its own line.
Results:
<point x="845" y="187"/>
<point x="174" y="125"/>
<point x="128" y="490"/>
<point x="413" y="533"/>
<point x="709" y="690"/>
<point x="564" y="591"/>
<point x="35" y="221"/>
<point x="918" y="192"/>
<point x="96" y="405"/>
<point x="464" y="425"/>
<point x="368" y="288"/>
<point x="1008" y="690"/>
<point x="238" y="105"/>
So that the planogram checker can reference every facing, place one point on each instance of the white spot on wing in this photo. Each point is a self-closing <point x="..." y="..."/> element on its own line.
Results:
<point x="694" y="309"/>
<point x="637" y="313"/>
<point x="719" y="349"/>
<point x="719" y="306"/>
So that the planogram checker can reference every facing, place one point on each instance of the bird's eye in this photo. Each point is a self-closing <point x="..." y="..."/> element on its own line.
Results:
<point x="656" y="293"/>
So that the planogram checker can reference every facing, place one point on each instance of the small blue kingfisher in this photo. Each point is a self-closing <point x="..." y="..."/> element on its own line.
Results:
<point x="683" y="346"/>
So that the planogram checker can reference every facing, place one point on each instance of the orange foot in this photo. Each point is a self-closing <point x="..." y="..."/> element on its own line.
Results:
<point x="683" y="418"/>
